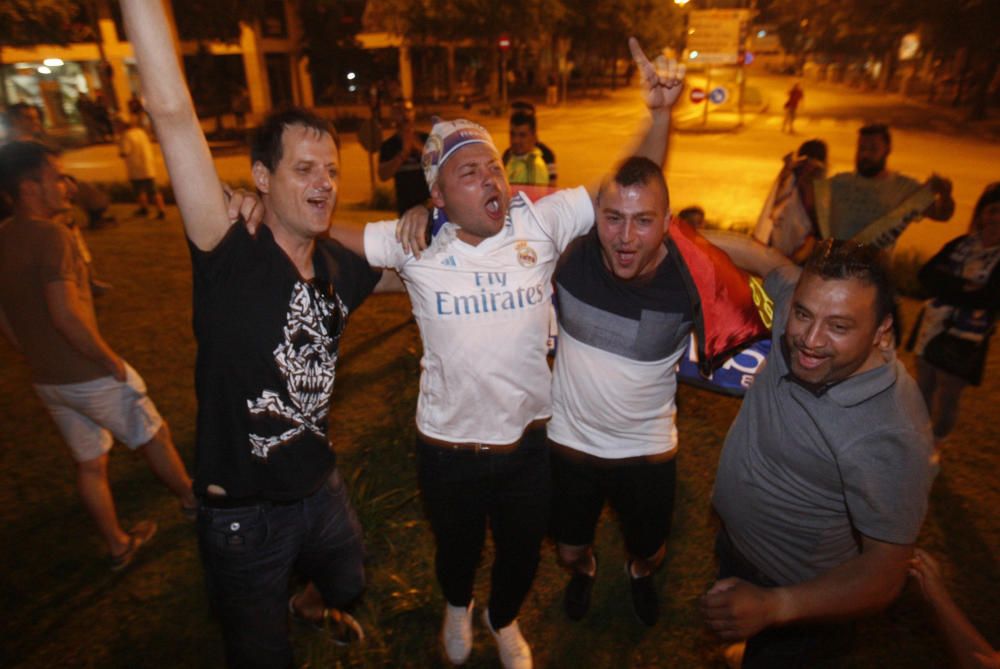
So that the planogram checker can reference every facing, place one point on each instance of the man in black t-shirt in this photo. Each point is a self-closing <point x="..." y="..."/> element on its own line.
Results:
<point x="399" y="158"/>
<point x="269" y="311"/>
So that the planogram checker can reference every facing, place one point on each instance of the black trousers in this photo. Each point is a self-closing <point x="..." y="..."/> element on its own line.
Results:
<point x="801" y="646"/>
<point x="465" y="492"/>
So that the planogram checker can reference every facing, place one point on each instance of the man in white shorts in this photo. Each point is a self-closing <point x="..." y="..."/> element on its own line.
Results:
<point x="481" y="295"/>
<point x="47" y="312"/>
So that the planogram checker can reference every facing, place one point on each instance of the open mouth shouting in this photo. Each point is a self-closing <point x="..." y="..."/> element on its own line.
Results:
<point x="625" y="257"/>
<point x="320" y="203"/>
<point x="494" y="208"/>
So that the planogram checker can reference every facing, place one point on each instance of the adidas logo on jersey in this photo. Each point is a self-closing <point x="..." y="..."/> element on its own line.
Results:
<point x="449" y="262"/>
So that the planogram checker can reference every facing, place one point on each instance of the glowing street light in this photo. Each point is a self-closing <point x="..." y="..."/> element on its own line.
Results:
<point x="681" y="3"/>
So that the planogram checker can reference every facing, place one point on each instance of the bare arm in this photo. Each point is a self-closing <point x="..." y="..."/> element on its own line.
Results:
<point x="661" y="89"/>
<point x="168" y="102"/>
<point x="351" y="236"/>
<point x="735" y="609"/>
<point x="389" y="283"/>
<point x="970" y="649"/>
<point x="747" y="253"/>
<point x="72" y="320"/>
<point x="387" y="169"/>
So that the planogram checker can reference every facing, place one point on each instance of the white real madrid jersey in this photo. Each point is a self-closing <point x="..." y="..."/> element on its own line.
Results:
<point x="483" y="313"/>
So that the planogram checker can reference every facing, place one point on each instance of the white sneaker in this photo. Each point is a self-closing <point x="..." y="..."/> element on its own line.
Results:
<point x="515" y="653"/>
<point x="456" y="633"/>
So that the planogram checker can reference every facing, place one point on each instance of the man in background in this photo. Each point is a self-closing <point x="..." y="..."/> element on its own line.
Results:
<point x="399" y="159"/>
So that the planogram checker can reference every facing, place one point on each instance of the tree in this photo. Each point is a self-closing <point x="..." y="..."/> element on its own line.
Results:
<point x="965" y="31"/>
<point x="31" y="22"/>
<point x="212" y="87"/>
<point x="842" y="29"/>
<point x="600" y="30"/>
<point x="480" y="21"/>
<point x="329" y="31"/>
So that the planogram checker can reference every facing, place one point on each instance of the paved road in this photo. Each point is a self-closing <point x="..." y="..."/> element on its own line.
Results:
<point x="729" y="172"/>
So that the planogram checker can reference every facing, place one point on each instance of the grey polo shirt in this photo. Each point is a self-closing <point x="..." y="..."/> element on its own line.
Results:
<point x="800" y="475"/>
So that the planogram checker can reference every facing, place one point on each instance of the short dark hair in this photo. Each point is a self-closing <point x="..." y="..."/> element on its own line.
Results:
<point x="878" y="130"/>
<point x="20" y="161"/>
<point x="694" y="210"/>
<point x="524" y="118"/>
<point x="990" y="195"/>
<point x="267" y="147"/>
<point x="847" y="259"/>
<point x="18" y="109"/>
<point x="522" y="106"/>
<point x="636" y="171"/>
<point x="813" y="148"/>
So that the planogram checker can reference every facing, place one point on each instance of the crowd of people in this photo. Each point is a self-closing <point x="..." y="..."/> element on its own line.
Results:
<point x="824" y="477"/>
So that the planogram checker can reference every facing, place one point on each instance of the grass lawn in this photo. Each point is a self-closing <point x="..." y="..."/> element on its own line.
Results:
<point x="62" y="607"/>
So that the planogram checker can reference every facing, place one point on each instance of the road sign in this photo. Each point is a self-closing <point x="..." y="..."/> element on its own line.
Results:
<point x="718" y="95"/>
<point x="697" y="94"/>
<point x="504" y="42"/>
<point x="715" y="35"/>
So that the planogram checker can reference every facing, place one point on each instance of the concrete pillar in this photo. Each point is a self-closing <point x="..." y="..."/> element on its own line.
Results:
<point x="121" y="89"/>
<point x="255" y="70"/>
<point x="405" y="72"/>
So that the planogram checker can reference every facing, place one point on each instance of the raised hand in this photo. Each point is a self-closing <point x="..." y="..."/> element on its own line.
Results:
<point x="662" y="82"/>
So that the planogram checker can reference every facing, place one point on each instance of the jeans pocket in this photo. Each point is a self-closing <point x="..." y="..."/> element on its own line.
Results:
<point x="234" y="531"/>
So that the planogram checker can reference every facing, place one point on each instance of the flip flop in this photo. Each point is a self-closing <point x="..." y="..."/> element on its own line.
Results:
<point x="340" y="626"/>
<point x="138" y="536"/>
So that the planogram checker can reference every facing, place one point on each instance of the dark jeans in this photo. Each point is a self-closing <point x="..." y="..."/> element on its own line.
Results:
<point x="249" y="554"/>
<point x="463" y="491"/>
<point x="802" y="646"/>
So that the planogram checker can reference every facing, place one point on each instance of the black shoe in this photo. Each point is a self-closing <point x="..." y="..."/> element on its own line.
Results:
<point x="645" y="602"/>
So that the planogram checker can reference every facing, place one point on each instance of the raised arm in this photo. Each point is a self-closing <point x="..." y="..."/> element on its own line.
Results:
<point x="747" y="253"/>
<point x="661" y="89"/>
<point x="168" y="102"/>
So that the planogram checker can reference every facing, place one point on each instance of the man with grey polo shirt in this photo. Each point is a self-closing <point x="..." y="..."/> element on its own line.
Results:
<point x="823" y="480"/>
<point x="47" y="312"/>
